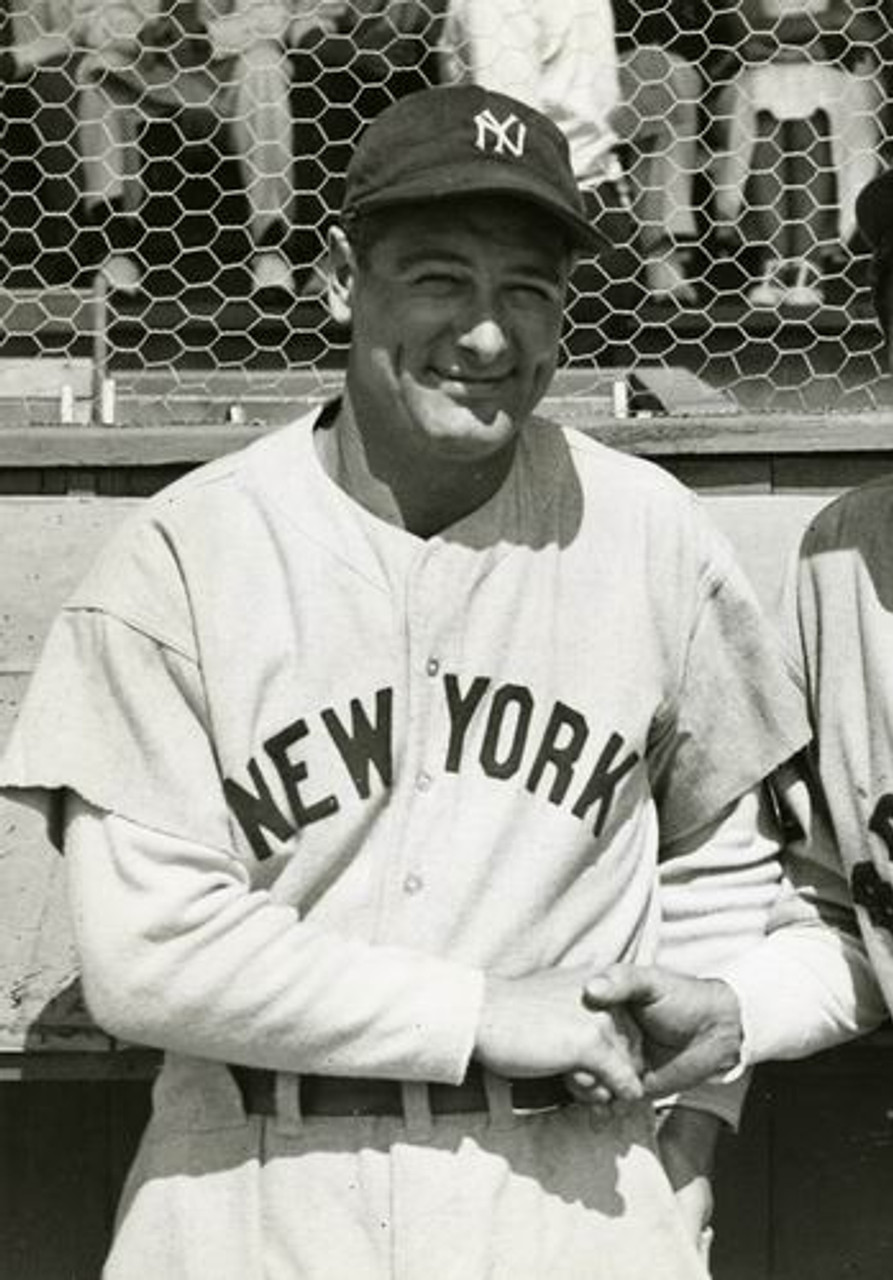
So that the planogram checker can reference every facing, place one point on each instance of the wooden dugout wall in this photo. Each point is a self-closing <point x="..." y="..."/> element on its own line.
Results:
<point x="802" y="1194"/>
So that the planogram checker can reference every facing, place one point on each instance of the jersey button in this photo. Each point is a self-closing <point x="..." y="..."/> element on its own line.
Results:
<point x="432" y="666"/>
<point x="423" y="782"/>
<point x="413" y="883"/>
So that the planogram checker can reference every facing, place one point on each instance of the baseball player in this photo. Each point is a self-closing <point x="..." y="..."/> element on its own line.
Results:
<point x="370" y="744"/>
<point x="841" y="616"/>
<point x="805" y="988"/>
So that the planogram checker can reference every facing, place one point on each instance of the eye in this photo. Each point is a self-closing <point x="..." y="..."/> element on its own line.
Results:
<point x="437" y="282"/>
<point x="535" y="293"/>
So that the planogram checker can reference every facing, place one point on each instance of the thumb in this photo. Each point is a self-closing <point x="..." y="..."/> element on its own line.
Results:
<point x="686" y="1069"/>
<point x="619" y="984"/>
<point x="706" y="1057"/>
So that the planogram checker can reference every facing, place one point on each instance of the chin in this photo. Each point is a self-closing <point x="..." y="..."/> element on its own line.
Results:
<point x="478" y="439"/>
<point x="464" y="431"/>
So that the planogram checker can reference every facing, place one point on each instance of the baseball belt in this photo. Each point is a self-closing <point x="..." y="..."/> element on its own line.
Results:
<point x="343" y="1096"/>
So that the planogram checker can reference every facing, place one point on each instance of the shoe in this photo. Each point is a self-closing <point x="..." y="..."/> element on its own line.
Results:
<point x="806" y="290"/>
<point x="122" y="274"/>
<point x="666" y="280"/>
<point x="271" y="273"/>
<point x="770" y="290"/>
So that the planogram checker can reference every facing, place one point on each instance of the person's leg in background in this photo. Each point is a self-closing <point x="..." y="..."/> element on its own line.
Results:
<point x="257" y="108"/>
<point x="790" y="198"/>
<point x="764" y="215"/>
<point x="855" y="115"/>
<point x="811" y="214"/>
<point x="108" y="135"/>
<point x="658" y="122"/>
<point x="51" y="91"/>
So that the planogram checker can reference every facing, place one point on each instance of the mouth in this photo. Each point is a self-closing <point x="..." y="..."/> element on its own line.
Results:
<point x="467" y="386"/>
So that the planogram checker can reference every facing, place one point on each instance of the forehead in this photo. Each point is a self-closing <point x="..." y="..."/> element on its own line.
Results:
<point x="481" y="224"/>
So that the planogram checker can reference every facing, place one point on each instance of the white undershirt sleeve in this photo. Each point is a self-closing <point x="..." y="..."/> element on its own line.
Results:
<point x="771" y="914"/>
<point x="718" y="887"/>
<point x="178" y="952"/>
<point x="810" y="983"/>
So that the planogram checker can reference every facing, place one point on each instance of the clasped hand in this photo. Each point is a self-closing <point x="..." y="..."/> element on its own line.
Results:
<point x="626" y="1033"/>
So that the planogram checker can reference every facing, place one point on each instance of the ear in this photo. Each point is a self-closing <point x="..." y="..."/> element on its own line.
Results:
<point x="342" y="273"/>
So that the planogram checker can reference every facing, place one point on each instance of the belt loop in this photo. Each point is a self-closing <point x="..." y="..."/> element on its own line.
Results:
<point x="288" y="1103"/>
<point x="499" y="1101"/>
<point x="417" y="1110"/>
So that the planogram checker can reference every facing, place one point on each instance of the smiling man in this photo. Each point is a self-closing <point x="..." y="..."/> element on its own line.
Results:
<point x="455" y="332"/>
<point x="371" y="745"/>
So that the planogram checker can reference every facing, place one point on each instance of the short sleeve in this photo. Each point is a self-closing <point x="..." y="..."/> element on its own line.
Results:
<point x="116" y="716"/>
<point x="116" y="709"/>
<point x="738" y="710"/>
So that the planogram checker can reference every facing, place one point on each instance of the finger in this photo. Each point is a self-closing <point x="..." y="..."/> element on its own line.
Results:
<point x="612" y="1066"/>
<point x="690" y="1066"/>
<point x="618" y="984"/>
<point x="621" y="1029"/>
<point x="634" y="1041"/>
<point x="604" y="1112"/>
<point x="585" y="1087"/>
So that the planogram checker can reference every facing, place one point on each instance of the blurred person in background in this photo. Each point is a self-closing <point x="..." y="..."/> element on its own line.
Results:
<point x="624" y="82"/>
<point x="559" y="58"/>
<point x="671" y="52"/>
<point x="204" y="63"/>
<point x="562" y="60"/>
<point x="39" y="53"/>
<point x="802" y="119"/>
<point x="350" y="69"/>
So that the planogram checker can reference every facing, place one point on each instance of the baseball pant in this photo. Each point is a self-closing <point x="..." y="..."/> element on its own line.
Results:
<point x="556" y="1195"/>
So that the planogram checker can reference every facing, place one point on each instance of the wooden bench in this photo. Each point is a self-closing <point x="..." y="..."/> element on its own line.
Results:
<point x="73" y="1102"/>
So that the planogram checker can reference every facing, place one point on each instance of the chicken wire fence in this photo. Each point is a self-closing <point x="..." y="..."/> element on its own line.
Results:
<point x="169" y="173"/>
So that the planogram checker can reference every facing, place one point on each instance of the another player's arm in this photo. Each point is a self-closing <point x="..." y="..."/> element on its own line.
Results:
<point x="808" y="985"/>
<point x="179" y="953"/>
<point x="717" y="887"/>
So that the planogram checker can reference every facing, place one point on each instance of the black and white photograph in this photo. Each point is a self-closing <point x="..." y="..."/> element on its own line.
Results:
<point x="446" y="710"/>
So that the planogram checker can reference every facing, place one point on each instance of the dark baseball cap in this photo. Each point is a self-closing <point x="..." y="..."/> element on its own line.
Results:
<point x="464" y="140"/>
<point x="874" y="210"/>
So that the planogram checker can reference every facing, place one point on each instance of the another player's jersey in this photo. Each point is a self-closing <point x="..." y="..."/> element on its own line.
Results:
<point x="845" y="616"/>
<point x="477" y="744"/>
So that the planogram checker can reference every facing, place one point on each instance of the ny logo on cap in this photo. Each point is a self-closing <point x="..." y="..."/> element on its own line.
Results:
<point x="500" y="135"/>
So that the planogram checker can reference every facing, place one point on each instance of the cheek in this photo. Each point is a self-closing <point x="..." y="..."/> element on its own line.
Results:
<point x="400" y="330"/>
<point x="541" y="334"/>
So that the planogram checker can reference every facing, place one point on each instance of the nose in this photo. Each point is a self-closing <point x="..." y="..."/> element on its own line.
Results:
<point x="485" y="339"/>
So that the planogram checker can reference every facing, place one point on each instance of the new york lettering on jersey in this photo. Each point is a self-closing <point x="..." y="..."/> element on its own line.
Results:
<point x="564" y="762"/>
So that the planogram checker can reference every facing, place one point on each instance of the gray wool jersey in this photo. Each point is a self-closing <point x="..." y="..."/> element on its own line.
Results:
<point x="477" y="748"/>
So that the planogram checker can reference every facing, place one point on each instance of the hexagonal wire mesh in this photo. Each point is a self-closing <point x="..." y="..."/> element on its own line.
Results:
<point x="190" y="157"/>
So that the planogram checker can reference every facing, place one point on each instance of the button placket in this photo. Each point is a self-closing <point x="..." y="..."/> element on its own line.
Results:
<point x="424" y="664"/>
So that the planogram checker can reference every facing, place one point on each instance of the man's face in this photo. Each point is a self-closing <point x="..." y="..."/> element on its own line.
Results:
<point x="456" y="311"/>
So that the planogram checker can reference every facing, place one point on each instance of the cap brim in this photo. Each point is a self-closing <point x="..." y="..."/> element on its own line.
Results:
<point x="445" y="185"/>
<point x="874" y="209"/>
